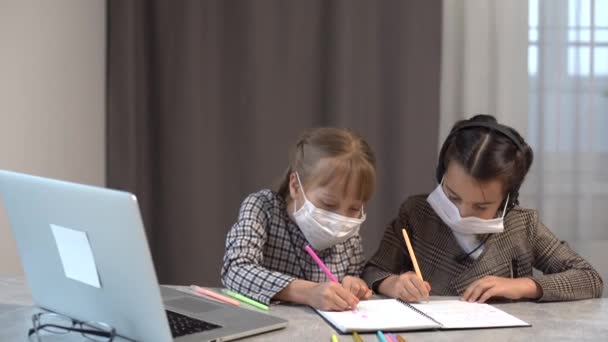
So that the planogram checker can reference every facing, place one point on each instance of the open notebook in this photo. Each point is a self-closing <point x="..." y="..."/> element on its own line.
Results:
<point x="395" y="315"/>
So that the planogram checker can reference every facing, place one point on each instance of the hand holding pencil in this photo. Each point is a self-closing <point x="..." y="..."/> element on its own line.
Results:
<point x="409" y="286"/>
<point x="330" y="296"/>
<point x="335" y="296"/>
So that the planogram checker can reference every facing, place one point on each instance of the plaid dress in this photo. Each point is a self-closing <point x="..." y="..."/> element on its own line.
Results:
<point x="524" y="244"/>
<point x="265" y="251"/>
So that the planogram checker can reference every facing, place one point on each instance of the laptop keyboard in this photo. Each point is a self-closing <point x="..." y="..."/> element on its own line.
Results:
<point x="183" y="325"/>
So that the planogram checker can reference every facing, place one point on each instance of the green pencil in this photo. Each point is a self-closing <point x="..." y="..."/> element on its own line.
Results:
<point x="246" y="300"/>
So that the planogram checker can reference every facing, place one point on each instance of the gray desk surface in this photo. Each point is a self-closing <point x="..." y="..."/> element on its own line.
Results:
<point x="572" y="321"/>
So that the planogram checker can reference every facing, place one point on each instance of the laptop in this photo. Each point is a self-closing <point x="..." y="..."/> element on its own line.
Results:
<point x="85" y="255"/>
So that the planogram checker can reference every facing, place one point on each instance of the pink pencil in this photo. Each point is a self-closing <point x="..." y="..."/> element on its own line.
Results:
<point x="321" y="264"/>
<point x="205" y="292"/>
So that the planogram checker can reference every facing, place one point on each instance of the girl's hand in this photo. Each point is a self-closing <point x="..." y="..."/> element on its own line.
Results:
<point x="357" y="287"/>
<point x="407" y="287"/>
<point x="491" y="286"/>
<point x="332" y="296"/>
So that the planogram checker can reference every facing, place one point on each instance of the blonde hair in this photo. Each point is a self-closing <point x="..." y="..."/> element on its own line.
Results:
<point x="350" y="156"/>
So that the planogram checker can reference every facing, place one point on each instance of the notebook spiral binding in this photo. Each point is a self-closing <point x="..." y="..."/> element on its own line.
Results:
<point x="418" y="311"/>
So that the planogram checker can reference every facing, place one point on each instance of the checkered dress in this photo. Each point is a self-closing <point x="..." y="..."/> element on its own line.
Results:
<point x="265" y="251"/>
<point x="525" y="244"/>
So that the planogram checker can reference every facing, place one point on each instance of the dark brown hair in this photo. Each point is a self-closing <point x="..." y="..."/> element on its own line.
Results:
<point x="350" y="155"/>
<point x="488" y="150"/>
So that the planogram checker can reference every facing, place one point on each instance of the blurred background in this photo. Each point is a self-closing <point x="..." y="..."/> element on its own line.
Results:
<point x="192" y="105"/>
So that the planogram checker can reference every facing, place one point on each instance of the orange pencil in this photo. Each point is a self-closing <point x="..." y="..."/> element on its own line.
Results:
<point x="412" y="255"/>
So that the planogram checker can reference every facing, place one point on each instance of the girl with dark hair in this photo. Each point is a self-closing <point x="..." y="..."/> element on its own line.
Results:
<point x="471" y="237"/>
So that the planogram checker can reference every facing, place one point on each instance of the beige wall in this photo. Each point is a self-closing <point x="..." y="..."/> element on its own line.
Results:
<point x="52" y="95"/>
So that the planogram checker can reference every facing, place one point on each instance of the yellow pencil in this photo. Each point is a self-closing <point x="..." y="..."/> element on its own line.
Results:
<point x="334" y="338"/>
<point x="356" y="337"/>
<point x="412" y="255"/>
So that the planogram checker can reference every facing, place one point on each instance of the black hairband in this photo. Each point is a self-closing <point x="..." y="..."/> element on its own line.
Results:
<point x="504" y="130"/>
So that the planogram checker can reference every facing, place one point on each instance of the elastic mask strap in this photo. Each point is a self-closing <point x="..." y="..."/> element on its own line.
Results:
<point x="504" y="210"/>
<point x="301" y="187"/>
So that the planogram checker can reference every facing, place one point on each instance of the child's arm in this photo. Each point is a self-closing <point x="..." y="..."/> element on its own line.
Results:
<point x="242" y="271"/>
<point x="328" y="295"/>
<point x="567" y="276"/>
<point x="389" y="259"/>
<point x="384" y="272"/>
<point x="352" y="280"/>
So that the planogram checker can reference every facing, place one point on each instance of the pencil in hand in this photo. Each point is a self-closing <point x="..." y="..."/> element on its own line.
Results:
<point x="410" y="249"/>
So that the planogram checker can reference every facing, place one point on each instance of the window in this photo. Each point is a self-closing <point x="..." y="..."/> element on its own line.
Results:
<point x="568" y="72"/>
<point x="568" y="116"/>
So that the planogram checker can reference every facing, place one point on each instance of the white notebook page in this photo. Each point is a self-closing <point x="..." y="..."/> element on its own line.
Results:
<point x="382" y="314"/>
<point x="456" y="314"/>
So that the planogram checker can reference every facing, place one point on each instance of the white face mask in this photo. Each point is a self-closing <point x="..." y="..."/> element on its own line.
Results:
<point x="450" y="215"/>
<point x="323" y="228"/>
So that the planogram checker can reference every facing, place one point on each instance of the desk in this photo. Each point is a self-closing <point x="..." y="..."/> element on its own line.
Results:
<point x="574" y="321"/>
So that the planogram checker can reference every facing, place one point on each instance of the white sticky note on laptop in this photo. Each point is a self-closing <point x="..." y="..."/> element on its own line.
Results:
<point x="76" y="255"/>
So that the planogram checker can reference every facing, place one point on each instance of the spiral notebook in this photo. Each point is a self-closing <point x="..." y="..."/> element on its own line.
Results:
<point x="395" y="315"/>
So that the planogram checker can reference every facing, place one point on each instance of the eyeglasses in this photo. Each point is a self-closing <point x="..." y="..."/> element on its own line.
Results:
<point x="59" y="324"/>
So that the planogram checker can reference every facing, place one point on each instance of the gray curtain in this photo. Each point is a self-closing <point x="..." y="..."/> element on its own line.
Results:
<point x="206" y="97"/>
